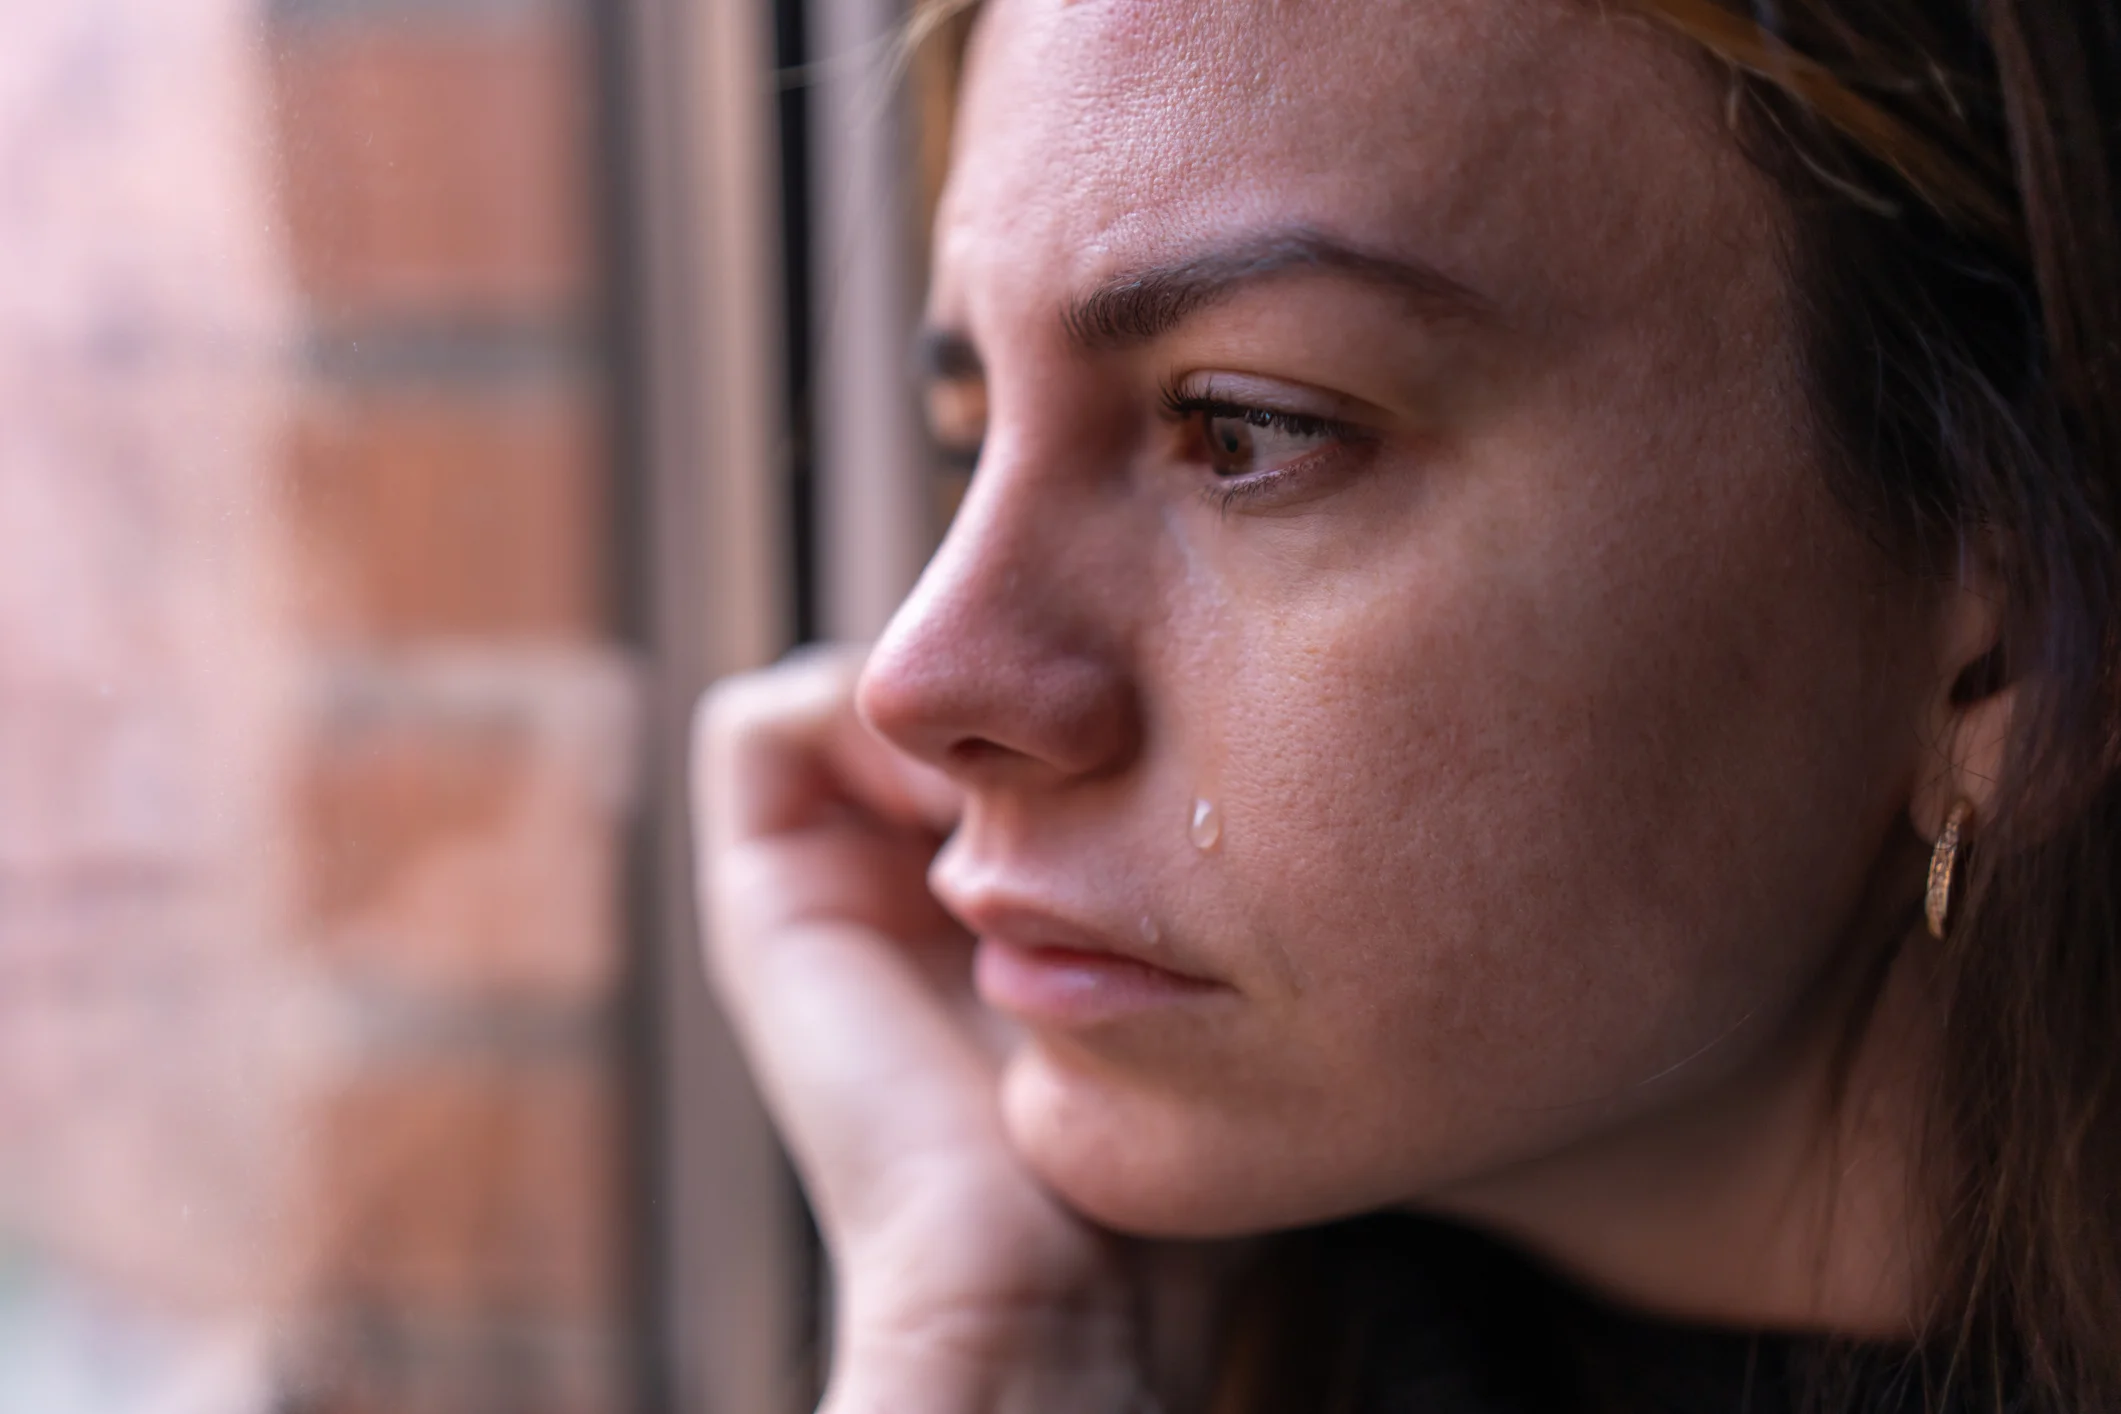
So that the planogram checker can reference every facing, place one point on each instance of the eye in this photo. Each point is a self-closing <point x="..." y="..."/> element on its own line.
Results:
<point x="1238" y="441"/>
<point x="1244" y="442"/>
<point x="957" y="420"/>
<point x="953" y="394"/>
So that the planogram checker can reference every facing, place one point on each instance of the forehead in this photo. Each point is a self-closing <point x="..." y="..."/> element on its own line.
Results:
<point x="1513" y="138"/>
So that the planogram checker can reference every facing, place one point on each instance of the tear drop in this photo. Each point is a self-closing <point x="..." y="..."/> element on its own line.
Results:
<point x="1206" y="830"/>
<point x="1151" y="934"/>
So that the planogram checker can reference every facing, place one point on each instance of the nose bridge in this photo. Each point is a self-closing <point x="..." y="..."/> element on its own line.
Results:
<point x="1011" y="655"/>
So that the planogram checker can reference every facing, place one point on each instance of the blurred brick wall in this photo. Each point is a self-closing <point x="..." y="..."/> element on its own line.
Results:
<point x="315" y="743"/>
<point x="147" y="1078"/>
<point x="463" y="771"/>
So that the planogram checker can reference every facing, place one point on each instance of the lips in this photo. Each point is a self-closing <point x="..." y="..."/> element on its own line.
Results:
<point x="1043" y="969"/>
<point x="1068" y="988"/>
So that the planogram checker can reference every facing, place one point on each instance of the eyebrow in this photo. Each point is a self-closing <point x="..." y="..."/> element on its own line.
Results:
<point x="1138" y="306"/>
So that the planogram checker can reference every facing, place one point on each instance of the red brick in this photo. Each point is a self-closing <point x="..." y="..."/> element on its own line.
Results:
<point x="460" y="822"/>
<point x="370" y="1363"/>
<point x="202" y="1088"/>
<point x="453" y="1191"/>
<point x="431" y="168"/>
<point x="451" y="513"/>
<point x="376" y="807"/>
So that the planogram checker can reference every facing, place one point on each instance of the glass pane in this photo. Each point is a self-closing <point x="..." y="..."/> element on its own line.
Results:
<point x="316" y="739"/>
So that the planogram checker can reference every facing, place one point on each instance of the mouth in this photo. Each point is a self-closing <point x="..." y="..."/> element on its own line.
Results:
<point x="1045" y="971"/>
<point x="1071" y="987"/>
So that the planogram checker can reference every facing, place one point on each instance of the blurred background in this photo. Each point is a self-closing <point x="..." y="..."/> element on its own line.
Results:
<point x="406" y="408"/>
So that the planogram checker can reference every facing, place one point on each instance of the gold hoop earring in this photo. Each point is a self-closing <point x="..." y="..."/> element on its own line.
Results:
<point x="1944" y="867"/>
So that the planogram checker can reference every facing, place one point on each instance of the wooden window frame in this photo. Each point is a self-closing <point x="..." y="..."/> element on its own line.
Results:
<point x="700" y="264"/>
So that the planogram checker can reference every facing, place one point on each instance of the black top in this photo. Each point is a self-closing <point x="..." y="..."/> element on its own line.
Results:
<point x="1397" y="1315"/>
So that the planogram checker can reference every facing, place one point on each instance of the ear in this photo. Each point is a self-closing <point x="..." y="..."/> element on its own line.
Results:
<point x="1967" y="719"/>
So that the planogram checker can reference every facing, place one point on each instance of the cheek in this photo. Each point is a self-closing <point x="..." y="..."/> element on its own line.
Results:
<point x="1417" y="826"/>
<point x="1508" y="832"/>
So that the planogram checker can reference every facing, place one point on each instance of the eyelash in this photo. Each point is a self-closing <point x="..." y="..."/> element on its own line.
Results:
<point x="1183" y="407"/>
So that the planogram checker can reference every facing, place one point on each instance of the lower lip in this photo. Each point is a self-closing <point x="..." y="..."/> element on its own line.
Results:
<point x="1064" y="987"/>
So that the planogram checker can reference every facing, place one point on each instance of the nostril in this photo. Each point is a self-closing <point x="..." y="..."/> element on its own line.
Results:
<point x="973" y="751"/>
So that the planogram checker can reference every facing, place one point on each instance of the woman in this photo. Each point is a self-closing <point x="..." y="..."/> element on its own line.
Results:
<point x="1532" y="650"/>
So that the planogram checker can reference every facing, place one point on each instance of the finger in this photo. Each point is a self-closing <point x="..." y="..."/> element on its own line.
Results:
<point x="857" y="1049"/>
<point x="914" y="791"/>
<point x="755" y="890"/>
<point x="859" y="1062"/>
<point x="775" y="750"/>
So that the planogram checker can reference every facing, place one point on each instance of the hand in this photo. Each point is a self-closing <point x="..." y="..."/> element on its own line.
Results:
<point x="962" y="1283"/>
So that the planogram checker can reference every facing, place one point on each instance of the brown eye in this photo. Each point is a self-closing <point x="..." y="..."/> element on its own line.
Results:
<point x="1244" y="442"/>
<point x="1229" y="446"/>
<point x="957" y="419"/>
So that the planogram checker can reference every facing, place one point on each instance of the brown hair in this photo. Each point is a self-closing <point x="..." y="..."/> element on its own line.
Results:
<point x="1950" y="168"/>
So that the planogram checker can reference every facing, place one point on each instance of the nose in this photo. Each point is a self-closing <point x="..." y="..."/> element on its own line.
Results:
<point x="1008" y="664"/>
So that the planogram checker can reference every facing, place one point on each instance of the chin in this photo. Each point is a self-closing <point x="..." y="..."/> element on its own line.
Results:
<point x="1151" y="1162"/>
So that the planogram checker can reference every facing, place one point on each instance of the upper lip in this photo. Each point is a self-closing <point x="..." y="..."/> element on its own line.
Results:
<point x="1024" y="922"/>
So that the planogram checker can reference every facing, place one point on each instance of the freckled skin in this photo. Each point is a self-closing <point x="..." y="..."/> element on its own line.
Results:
<point x="1556" y="745"/>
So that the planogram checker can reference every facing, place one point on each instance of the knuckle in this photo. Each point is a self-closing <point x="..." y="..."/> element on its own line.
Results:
<point x="798" y="693"/>
<point x="728" y="710"/>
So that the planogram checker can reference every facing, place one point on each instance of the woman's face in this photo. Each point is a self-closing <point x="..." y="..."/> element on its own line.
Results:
<point x="1395" y="477"/>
